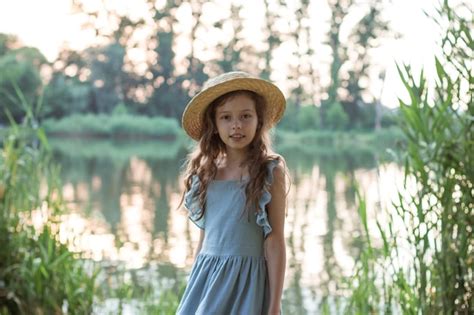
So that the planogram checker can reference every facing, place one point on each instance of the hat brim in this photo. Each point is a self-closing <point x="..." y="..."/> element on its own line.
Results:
<point x="193" y="116"/>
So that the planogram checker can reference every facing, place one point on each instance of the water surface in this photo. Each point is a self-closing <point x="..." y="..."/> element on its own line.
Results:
<point x="123" y="198"/>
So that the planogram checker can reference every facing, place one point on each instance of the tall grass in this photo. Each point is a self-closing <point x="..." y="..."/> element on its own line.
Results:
<point x="140" y="291"/>
<point x="38" y="273"/>
<point x="425" y="264"/>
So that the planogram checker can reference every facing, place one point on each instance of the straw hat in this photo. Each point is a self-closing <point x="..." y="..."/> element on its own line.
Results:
<point x="193" y="115"/>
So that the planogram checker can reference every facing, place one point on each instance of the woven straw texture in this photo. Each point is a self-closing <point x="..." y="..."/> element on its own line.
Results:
<point x="192" y="119"/>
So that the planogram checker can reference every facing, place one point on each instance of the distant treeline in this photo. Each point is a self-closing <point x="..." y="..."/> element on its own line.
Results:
<point x="153" y="65"/>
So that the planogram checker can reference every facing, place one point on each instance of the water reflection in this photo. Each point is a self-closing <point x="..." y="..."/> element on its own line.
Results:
<point x="123" y="198"/>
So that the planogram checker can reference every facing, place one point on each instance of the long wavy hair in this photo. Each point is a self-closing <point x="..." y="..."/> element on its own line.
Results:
<point x="202" y="161"/>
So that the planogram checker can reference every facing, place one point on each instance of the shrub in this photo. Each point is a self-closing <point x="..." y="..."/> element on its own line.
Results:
<point x="118" y="125"/>
<point x="336" y="117"/>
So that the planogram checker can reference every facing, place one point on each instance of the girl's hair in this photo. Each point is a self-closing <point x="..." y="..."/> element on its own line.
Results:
<point x="202" y="161"/>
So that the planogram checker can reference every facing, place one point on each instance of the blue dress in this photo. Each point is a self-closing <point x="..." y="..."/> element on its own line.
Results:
<point x="229" y="276"/>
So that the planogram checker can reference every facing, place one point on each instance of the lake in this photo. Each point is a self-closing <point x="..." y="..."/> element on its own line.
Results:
<point x="123" y="199"/>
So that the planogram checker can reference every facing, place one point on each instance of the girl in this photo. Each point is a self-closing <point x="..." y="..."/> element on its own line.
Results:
<point x="235" y="193"/>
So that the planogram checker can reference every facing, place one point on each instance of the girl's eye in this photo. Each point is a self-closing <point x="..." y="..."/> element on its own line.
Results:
<point x="225" y="117"/>
<point x="246" y="116"/>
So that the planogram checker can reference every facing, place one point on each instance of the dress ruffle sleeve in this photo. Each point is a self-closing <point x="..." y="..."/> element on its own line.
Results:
<point x="262" y="216"/>
<point x="191" y="203"/>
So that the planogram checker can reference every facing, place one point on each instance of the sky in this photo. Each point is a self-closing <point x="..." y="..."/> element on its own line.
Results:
<point x="48" y="25"/>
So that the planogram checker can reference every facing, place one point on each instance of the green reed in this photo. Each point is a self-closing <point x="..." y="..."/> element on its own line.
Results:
<point x="38" y="273"/>
<point x="424" y="264"/>
<point x="145" y="291"/>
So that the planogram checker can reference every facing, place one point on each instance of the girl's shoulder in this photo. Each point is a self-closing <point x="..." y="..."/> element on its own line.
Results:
<point x="277" y="162"/>
<point x="276" y="166"/>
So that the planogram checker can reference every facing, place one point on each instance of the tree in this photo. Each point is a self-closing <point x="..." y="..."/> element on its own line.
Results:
<point x="336" y="117"/>
<point x="64" y="96"/>
<point x="365" y="36"/>
<point x="8" y="43"/>
<point x="168" y="97"/>
<point x="195" y="73"/>
<point x="351" y="64"/>
<point x="20" y="81"/>
<point x="105" y="66"/>
<point x="273" y="38"/>
<point x="232" y="50"/>
<point x="304" y="70"/>
<point x="339" y="9"/>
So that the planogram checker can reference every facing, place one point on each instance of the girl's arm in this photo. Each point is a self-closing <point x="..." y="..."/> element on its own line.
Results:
<point x="275" y="251"/>
<point x="201" y="238"/>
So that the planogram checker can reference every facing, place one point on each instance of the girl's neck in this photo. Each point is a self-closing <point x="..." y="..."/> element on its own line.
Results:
<point x="230" y="167"/>
<point x="235" y="158"/>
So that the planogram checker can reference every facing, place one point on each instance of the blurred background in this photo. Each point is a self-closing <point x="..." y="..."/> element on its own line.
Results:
<point x="108" y="81"/>
<point x="149" y="57"/>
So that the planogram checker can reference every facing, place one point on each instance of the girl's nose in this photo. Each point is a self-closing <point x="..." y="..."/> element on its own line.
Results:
<point x="237" y="124"/>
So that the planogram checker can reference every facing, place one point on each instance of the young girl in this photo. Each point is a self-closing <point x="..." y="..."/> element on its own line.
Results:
<point x="236" y="194"/>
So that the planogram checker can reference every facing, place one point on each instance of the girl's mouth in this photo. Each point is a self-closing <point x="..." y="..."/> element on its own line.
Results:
<point x="237" y="136"/>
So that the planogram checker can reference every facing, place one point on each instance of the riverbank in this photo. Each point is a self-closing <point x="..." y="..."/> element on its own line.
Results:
<point x="127" y="126"/>
<point x="118" y="126"/>
<point x="311" y="143"/>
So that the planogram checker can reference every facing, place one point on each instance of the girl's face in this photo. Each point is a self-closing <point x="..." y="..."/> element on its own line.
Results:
<point x="236" y="122"/>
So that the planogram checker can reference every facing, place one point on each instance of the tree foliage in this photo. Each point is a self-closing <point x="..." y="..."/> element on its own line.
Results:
<point x="352" y="63"/>
<point x="154" y="63"/>
<point x="19" y="71"/>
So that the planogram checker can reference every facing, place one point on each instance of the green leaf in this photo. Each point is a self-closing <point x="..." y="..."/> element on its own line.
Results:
<point x="43" y="139"/>
<point x="386" y="246"/>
